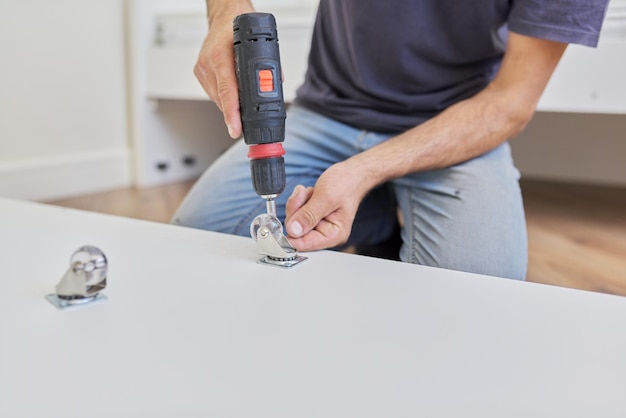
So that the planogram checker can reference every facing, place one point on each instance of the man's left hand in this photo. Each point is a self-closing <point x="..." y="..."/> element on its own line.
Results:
<point x="321" y="217"/>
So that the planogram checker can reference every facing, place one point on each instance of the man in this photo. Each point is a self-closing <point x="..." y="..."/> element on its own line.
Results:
<point x="407" y="106"/>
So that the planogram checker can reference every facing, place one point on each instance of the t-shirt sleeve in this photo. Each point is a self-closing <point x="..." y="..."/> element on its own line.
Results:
<point x="569" y="21"/>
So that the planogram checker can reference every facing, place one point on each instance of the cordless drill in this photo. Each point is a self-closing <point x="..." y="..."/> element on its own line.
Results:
<point x="261" y="101"/>
<point x="262" y="108"/>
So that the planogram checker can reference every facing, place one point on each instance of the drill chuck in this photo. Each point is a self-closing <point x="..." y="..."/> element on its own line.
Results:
<point x="267" y="169"/>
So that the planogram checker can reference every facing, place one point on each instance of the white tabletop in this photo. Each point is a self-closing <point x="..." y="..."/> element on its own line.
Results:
<point x="193" y="327"/>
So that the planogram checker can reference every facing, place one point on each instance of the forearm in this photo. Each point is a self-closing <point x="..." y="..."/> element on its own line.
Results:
<point x="473" y="126"/>
<point x="321" y="217"/>
<point x="463" y="131"/>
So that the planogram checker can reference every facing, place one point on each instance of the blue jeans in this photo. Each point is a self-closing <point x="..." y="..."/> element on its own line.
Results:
<point x="467" y="217"/>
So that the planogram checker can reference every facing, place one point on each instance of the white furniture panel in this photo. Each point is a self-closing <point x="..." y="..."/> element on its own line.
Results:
<point x="193" y="327"/>
<point x="588" y="81"/>
<point x="592" y="80"/>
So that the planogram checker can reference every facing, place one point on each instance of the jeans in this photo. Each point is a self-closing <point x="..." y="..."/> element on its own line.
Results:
<point x="466" y="217"/>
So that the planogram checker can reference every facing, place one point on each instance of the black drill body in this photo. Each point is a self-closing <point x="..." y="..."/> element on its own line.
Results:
<point x="262" y="106"/>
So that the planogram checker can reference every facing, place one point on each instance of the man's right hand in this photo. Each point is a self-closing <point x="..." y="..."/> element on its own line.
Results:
<point x="215" y="67"/>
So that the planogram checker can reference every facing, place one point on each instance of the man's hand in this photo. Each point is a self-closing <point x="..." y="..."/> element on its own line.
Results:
<point x="321" y="217"/>
<point x="215" y="67"/>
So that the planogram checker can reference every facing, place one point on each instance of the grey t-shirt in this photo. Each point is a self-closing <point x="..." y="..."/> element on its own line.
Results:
<point x="388" y="65"/>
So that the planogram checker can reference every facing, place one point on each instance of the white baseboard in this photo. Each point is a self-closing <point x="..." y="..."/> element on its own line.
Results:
<point x="58" y="177"/>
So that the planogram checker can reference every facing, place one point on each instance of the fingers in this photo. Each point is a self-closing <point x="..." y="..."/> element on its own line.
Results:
<point x="215" y="70"/>
<point x="302" y="214"/>
<point x="314" y="222"/>
<point x="325" y="235"/>
<point x="204" y="74"/>
<point x="298" y="198"/>
<point x="228" y="95"/>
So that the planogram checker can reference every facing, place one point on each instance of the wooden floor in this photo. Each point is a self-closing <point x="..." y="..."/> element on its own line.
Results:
<point x="577" y="234"/>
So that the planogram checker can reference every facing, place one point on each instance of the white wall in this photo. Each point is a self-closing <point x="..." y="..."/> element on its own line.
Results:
<point x="63" y="128"/>
<point x="66" y="128"/>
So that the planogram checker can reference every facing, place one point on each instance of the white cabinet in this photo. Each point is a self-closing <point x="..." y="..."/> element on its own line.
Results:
<point x="174" y="122"/>
<point x="177" y="132"/>
<point x="579" y="135"/>
<point x="592" y="80"/>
